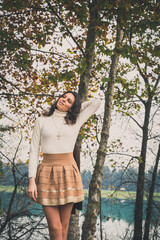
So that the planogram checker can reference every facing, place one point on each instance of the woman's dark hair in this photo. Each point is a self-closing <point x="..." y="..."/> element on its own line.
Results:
<point x="72" y="115"/>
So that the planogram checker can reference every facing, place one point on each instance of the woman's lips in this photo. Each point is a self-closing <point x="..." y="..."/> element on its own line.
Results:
<point x="60" y="103"/>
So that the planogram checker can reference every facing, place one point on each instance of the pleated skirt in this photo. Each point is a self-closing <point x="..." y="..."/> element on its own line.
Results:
<point x="58" y="180"/>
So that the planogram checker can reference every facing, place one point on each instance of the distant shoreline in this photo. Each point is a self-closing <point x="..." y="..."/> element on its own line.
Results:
<point x="109" y="194"/>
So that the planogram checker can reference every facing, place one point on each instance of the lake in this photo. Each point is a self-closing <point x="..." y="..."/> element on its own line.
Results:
<point x="117" y="215"/>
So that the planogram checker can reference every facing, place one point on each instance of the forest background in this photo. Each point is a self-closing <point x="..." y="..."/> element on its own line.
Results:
<point x="103" y="49"/>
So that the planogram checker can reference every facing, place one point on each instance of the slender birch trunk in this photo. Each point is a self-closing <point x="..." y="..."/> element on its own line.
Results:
<point x="73" y="232"/>
<point x="150" y="199"/>
<point x="138" y="213"/>
<point x="93" y="207"/>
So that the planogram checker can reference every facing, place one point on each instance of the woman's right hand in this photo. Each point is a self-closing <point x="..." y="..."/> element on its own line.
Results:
<point x="32" y="189"/>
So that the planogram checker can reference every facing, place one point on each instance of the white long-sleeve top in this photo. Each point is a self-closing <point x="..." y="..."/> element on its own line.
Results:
<point x="44" y="136"/>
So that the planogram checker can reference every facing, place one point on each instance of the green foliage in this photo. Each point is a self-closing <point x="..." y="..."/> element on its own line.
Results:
<point x="28" y="24"/>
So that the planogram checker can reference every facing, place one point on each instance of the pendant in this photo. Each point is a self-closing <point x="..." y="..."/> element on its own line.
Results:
<point x="58" y="136"/>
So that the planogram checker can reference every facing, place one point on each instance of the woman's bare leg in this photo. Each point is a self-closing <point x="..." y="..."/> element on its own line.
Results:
<point x="54" y="222"/>
<point x="65" y="213"/>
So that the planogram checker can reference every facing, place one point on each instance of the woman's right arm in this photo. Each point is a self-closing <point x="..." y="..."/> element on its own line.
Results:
<point x="88" y="108"/>
<point x="33" y="160"/>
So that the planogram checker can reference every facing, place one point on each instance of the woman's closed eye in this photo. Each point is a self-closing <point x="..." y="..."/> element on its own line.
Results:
<point x="69" y="100"/>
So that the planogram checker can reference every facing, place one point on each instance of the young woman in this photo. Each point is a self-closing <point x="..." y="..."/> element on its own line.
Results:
<point x="57" y="184"/>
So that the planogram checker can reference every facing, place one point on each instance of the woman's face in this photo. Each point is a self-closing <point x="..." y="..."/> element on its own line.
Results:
<point x="65" y="102"/>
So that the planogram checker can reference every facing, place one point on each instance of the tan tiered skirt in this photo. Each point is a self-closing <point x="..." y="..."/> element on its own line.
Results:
<point x="58" y="180"/>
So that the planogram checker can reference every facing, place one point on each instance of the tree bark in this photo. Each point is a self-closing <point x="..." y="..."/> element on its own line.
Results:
<point x="73" y="232"/>
<point x="150" y="199"/>
<point x="89" y="50"/>
<point x="138" y="215"/>
<point x="93" y="207"/>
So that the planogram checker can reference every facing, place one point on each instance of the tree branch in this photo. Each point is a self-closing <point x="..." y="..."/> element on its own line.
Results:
<point x="53" y="53"/>
<point x="122" y="154"/>
<point x="141" y="99"/>
<point x="157" y="82"/>
<point x="65" y="25"/>
<point x="28" y="94"/>
<point x="144" y="77"/>
<point x="135" y="121"/>
<point x="7" y="81"/>
<point x="8" y="214"/>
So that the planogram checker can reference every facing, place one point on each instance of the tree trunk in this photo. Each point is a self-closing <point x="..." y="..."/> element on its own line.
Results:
<point x="73" y="232"/>
<point x="150" y="199"/>
<point x="138" y="215"/>
<point x="93" y="207"/>
<point x="89" y="50"/>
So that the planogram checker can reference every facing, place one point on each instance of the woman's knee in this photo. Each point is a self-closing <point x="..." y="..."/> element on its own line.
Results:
<point x="55" y="230"/>
<point x="54" y="222"/>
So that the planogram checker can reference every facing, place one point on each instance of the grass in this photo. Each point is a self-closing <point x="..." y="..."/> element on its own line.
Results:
<point x="109" y="194"/>
<point x="9" y="189"/>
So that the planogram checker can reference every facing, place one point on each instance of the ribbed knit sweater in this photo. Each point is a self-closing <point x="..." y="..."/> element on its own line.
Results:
<point x="46" y="129"/>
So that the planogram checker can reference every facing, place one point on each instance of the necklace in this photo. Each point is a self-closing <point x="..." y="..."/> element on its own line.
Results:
<point x="58" y="130"/>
